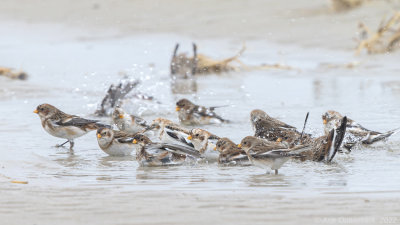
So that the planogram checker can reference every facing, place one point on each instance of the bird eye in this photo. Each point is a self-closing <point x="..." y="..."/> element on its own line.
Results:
<point x="245" y="143"/>
<point x="197" y="135"/>
<point x="141" y="139"/>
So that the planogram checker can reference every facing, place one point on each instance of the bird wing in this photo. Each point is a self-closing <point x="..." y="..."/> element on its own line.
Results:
<point x="275" y="154"/>
<point x="277" y="123"/>
<point x="125" y="140"/>
<point x="212" y="108"/>
<point x="232" y="156"/>
<point x="358" y="130"/>
<point x="180" y="149"/>
<point x="176" y="128"/>
<point x="213" y="139"/>
<point x="178" y="136"/>
<point x="140" y="121"/>
<point x="123" y="137"/>
<point x="267" y="146"/>
<point x="75" y="121"/>
<point x="270" y="154"/>
<point x="201" y="111"/>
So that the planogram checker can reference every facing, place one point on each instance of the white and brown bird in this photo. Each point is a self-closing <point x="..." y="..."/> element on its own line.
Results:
<point x="325" y="147"/>
<point x="204" y="142"/>
<point x="189" y="113"/>
<point x="169" y="132"/>
<point x="258" y="114"/>
<point x="269" y="155"/>
<point x="230" y="153"/>
<point x="162" y="154"/>
<point x="355" y="133"/>
<point x="275" y="130"/>
<point x="63" y="125"/>
<point x="128" y="123"/>
<point x="272" y="154"/>
<point x="114" y="142"/>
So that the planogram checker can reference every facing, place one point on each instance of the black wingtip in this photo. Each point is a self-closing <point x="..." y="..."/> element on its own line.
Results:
<point x="340" y="132"/>
<point x="172" y="134"/>
<point x="304" y="126"/>
<point x="225" y="121"/>
<point x="175" y="49"/>
<point x="102" y="126"/>
<point x="180" y="139"/>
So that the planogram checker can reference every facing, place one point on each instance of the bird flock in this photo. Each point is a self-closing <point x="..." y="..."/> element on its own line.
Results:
<point x="163" y="142"/>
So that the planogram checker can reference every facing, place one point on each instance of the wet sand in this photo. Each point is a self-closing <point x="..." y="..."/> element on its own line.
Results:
<point x="311" y="24"/>
<point x="76" y="206"/>
<point x="74" y="50"/>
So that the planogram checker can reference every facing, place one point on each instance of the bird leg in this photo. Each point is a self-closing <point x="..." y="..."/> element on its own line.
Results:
<point x="58" y="146"/>
<point x="276" y="172"/>
<point x="71" y="144"/>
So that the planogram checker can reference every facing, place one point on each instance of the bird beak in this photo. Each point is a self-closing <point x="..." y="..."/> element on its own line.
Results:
<point x="134" y="141"/>
<point x="177" y="108"/>
<point x="279" y="140"/>
<point x="239" y="145"/>
<point x="35" y="111"/>
<point x="215" y="148"/>
<point x="121" y="116"/>
<point x="325" y="122"/>
<point x="98" y="135"/>
<point x="189" y="137"/>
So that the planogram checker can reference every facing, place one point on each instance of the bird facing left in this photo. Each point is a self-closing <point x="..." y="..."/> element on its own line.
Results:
<point x="63" y="125"/>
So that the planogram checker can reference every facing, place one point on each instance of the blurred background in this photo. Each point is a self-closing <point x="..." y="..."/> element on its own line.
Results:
<point x="286" y="57"/>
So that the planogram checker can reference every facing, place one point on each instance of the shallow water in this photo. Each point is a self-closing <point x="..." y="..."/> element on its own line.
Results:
<point x="72" y="71"/>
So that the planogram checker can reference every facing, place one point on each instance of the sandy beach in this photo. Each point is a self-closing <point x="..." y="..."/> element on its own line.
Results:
<point x="74" y="49"/>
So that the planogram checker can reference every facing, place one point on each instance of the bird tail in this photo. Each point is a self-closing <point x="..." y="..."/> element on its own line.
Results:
<point x="380" y="137"/>
<point x="212" y="108"/>
<point x="224" y="120"/>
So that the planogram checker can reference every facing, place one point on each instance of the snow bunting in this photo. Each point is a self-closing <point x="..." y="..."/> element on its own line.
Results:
<point x="161" y="154"/>
<point x="230" y="153"/>
<point x="115" y="143"/>
<point x="128" y="123"/>
<point x="355" y="133"/>
<point x="189" y="113"/>
<point x="204" y="142"/>
<point x="267" y="154"/>
<point x="63" y="125"/>
<point x="169" y="132"/>
<point x="275" y="130"/>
